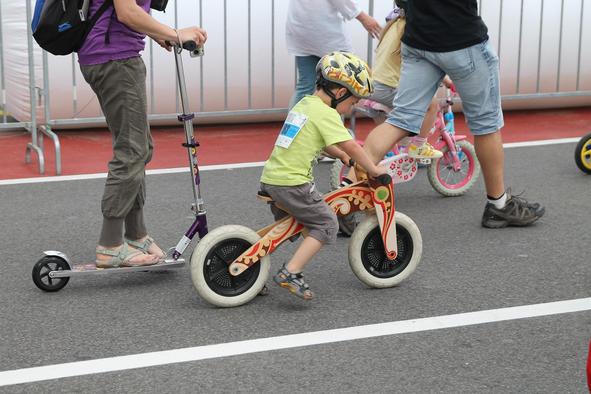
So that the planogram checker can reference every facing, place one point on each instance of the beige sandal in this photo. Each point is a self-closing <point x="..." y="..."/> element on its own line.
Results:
<point x="145" y="246"/>
<point x="121" y="258"/>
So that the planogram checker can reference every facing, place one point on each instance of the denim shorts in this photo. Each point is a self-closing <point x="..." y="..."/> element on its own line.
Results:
<point x="475" y="73"/>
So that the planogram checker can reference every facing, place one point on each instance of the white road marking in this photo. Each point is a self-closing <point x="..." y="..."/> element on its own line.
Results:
<point x="80" y="177"/>
<point x="232" y="166"/>
<point x="143" y="360"/>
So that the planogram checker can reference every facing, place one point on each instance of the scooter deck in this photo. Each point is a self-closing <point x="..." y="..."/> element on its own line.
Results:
<point x="91" y="269"/>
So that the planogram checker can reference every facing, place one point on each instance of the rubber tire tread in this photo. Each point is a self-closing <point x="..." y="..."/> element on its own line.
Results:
<point x="445" y="191"/>
<point x="356" y="243"/>
<point x="586" y="139"/>
<point x="198" y="260"/>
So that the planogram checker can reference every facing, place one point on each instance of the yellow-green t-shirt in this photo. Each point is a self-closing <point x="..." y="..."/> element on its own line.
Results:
<point x="386" y="68"/>
<point x="310" y="126"/>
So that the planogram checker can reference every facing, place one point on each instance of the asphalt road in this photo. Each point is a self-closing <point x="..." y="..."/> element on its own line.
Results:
<point x="464" y="268"/>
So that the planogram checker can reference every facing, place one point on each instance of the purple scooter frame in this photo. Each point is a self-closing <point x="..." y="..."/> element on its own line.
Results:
<point x="53" y="271"/>
<point x="199" y="226"/>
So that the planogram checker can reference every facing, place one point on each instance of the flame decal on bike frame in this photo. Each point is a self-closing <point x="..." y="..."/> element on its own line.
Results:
<point x="356" y="197"/>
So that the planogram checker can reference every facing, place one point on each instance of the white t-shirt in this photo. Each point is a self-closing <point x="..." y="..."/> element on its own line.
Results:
<point x="317" y="27"/>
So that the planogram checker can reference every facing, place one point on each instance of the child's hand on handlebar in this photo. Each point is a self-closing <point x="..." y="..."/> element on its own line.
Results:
<point x="347" y="160"/>
<point x="194" y="33"/>
<point x="164" y="44"/>
<point x="377" y="170"/>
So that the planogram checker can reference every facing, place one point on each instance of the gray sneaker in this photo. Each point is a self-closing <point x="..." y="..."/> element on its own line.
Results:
<point x="516" y="212"/>
<point x="294" y="283"/>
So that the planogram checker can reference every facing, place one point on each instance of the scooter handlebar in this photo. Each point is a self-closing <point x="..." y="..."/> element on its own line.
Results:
<point x="191" y="46"/>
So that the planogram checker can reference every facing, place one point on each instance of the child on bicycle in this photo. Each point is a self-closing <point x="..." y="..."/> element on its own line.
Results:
<point x="314" y="124"/>
<point x="386" y="75"/>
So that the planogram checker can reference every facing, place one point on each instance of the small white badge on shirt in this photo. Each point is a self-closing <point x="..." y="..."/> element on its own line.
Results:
<point x="292" y="126"/>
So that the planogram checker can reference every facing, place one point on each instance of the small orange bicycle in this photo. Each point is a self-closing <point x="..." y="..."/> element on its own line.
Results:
<point x="231" y="264"/>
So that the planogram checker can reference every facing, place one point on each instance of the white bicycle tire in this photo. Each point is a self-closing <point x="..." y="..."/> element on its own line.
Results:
<point x="198" y="262"/>
<point x="356" y="244"/>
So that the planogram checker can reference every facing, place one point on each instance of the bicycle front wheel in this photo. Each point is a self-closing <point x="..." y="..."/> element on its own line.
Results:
<point x="448" y="181"/>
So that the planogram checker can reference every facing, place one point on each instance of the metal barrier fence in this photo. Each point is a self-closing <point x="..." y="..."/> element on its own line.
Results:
<point x="250" y="76"/>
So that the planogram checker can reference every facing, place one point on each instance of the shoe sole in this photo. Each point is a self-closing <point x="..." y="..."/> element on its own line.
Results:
<point x="293" y="290"/>
<point x="506" y="223"/>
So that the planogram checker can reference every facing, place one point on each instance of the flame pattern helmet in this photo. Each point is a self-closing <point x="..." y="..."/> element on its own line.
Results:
<point x="347" y="70"/>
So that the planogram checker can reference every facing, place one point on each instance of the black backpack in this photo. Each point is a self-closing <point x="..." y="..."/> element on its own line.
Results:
<point x="61" y="26"/>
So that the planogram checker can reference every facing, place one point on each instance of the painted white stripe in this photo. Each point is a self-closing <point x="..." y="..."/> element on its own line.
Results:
<point x="232" y="166"/>
<point x="540" y="142"/>
<point x="177" y="170"/>
<point x="143" y="360"/>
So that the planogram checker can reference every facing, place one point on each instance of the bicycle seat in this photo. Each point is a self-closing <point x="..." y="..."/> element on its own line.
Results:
<point x="265" y="197"/>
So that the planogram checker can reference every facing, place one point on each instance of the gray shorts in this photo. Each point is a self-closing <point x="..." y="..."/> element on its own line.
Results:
<point x="474" y="71"/>
<point x="306" y="204"/>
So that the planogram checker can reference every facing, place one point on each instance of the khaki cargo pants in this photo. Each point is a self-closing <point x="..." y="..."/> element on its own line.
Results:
<point x="120" y="86"/>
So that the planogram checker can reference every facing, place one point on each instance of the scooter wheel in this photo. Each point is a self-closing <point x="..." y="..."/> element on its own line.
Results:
<point x="41" y="272"/>
<point x="583" y="154"/>
<point x="368" y="259"/>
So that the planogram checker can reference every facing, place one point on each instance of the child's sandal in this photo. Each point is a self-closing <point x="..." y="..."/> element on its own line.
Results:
<point x="144" y="246"/>
<point x="294" y="283"/>
<point x="121" y="258"/>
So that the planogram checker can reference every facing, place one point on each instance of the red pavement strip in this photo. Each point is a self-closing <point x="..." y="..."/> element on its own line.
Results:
<point x="88" y="151"/>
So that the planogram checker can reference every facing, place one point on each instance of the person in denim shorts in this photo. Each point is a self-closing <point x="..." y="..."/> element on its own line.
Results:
<point x="431" y="48"/>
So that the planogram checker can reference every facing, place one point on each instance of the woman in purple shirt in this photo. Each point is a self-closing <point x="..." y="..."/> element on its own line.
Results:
<point x="111" y="64"/>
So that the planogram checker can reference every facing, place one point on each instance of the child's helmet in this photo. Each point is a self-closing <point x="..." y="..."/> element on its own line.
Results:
<point x="347" y="70"/>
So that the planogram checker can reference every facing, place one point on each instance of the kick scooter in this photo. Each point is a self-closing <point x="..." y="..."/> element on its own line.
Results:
<point x="53" y="271"/>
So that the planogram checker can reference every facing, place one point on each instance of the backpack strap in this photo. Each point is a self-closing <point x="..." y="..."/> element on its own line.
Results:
<point x="107" y="33"/>
<point x="98" y="14"/>
<point x="100" y="11"/>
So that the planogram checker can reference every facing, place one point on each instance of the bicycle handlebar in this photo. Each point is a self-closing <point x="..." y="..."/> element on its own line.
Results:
<point x="383" y="179"/>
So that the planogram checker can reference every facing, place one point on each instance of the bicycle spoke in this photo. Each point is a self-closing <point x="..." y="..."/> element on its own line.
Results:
<point x="218" y="273"/>
<point x="220" y="257"/>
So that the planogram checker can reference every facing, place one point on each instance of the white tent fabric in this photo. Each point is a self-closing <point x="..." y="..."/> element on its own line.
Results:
<point x="16" y="61"/>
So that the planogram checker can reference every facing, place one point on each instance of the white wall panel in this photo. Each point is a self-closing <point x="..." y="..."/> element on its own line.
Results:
<point x="542" y="44"/>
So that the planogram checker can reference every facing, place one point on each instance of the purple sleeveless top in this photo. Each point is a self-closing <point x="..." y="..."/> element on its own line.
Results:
<point x="124" y="43"/>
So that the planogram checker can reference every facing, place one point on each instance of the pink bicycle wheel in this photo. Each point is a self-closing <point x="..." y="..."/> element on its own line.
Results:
<point x="448" y="181"/>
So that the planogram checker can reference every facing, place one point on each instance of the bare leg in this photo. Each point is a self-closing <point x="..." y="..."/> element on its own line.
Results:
<point x="307" y="249"/>
<point x="489" y="149"/>
<point x="379" y="141"/>
<point x="429" y="119"/>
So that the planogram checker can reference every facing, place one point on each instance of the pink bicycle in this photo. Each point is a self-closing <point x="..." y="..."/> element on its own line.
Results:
<point x="451" y="175"/>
